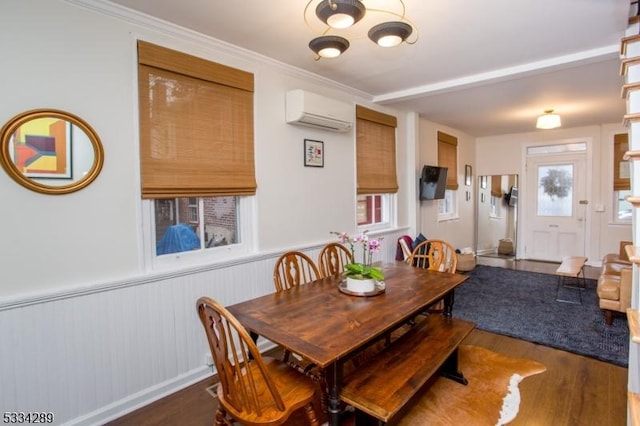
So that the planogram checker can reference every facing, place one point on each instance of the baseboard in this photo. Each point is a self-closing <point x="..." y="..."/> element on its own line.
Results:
<point x="140" y="399"/>
<point x="147" y="396"/>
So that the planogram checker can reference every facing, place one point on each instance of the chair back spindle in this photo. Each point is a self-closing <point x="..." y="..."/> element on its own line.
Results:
<point x="332" y="259"/>
<point x="437" y="255"/>
<point x="292" y="269"/>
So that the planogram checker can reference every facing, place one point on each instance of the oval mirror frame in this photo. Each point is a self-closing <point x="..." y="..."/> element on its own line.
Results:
<point x="7" y="162"/>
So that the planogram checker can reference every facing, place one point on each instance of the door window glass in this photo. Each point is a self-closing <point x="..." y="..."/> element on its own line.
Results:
<point x="555" y="190"/>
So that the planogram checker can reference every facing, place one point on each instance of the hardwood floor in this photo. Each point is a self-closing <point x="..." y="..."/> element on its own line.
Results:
<point x="575" y="390"/>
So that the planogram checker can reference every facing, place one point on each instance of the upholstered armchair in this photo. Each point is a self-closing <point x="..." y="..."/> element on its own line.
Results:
<point x="614" y="283"/>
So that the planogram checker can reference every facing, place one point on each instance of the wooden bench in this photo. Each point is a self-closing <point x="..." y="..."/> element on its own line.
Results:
<point x="571" y="267"/>
<point x="384" y="384"/>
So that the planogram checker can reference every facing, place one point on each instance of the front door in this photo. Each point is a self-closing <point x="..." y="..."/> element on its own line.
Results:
<point x="556" y="188"/>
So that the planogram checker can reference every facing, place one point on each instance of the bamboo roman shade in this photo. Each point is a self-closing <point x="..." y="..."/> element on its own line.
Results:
<point x="196" y="126"/>
<point x="375" y="152"/>
<point x="621" y="178"/>
<point x="496" y="186"/>
<point x="448" y="157"/>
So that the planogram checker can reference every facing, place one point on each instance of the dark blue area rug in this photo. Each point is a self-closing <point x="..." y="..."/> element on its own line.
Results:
<point x="523" y="305"/>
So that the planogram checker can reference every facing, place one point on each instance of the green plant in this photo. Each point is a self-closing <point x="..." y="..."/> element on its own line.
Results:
<point x="359" y="271"/>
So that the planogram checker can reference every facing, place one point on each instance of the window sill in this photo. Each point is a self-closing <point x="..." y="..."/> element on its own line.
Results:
<point x="448" y="218"/>
<point x="378" y="227"/>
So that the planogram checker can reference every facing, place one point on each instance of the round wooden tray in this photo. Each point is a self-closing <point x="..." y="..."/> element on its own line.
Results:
<point x="380" y="287"/>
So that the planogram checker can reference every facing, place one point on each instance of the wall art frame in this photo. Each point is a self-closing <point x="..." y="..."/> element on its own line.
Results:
<point x="313" y="153"/>
<point x="467" y="175"/>
<point x="50" y="151"/>
<point x="483" y="182"/>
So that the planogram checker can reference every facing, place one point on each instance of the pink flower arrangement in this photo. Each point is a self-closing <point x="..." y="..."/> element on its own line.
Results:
<point x="362" y="270"/>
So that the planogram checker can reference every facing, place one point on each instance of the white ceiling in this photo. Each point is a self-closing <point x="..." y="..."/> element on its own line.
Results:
<point x="486" y="67"/>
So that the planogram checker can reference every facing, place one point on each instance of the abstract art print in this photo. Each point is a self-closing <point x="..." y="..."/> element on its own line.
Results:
<point x="41" y="148"/>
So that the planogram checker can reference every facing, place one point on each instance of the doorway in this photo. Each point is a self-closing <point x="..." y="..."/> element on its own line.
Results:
<point x="557" y="207"/>
<point x="496" y="216"/>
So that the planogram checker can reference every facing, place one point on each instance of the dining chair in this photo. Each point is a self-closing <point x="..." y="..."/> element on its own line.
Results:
<point x="252" y="391"/>
<point x="294" y="268"/>
<point x="332" y="259"/>
<point x="437" y="255"/>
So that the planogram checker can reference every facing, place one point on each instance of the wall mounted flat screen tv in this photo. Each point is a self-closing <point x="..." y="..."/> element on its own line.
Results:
<point x="512" y="196"/>
<point x="433" y="183"/>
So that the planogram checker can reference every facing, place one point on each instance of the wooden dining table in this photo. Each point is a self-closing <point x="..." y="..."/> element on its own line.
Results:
<point x="327" y="327"/>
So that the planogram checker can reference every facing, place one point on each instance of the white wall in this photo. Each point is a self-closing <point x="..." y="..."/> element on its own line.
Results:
<point x="87" y="331"/>
<point x="603" y="236"/>
<point x="85" y="63"/>
<point x="459" y="231"/>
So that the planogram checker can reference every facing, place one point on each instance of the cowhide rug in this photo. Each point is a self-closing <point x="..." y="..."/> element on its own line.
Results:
<point x="491" y="398"/>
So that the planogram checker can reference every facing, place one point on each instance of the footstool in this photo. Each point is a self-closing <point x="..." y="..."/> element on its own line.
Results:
<point x="571" y="268"/>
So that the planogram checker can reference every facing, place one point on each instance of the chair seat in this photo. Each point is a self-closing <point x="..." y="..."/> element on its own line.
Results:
<point x="609" y="287"/>
<point x="295" y="392"/>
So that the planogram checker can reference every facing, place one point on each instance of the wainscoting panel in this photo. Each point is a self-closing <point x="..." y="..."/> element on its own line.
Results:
<point x="94" y="356"/>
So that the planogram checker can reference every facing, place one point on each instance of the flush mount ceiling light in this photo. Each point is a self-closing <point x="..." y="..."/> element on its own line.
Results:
<point x="388" y="27"/>
<point x="329" y="46"/>
<point x="389" y="34"/>
<point x="548" y="120"/>
<point x="340" y="13"/>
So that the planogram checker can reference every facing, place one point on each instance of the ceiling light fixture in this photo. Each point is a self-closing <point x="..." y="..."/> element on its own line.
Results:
<point x="329" y="46"/>
<point x="340" y="15"/>
<point x="389" y="34"/>
<point x="548" y="120"/>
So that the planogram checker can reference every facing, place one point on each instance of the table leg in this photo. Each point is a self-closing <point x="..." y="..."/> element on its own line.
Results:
<point x="448" y="304"/>
<point x="450" y="369"/>
<point x="334" y="381"/>
<point x="254" y="336"/>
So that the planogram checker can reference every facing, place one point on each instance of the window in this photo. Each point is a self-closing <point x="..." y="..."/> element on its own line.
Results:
<point x="193" y="210"/>
<point x="494" y="207"/>
<point x="555" y="190"/>
<point x="496" y="190"/>
<point x="373" y="210"/>
<point x="621" y="173"/>
<point x="621" y="179"/>
<point x="623" y="208"/>
<point x="376" y="167"/>
<point x="448" y="206"/>
<point x="196" y="152"/>
<point x="448" y="157"/>
<point x="186" y="224"/>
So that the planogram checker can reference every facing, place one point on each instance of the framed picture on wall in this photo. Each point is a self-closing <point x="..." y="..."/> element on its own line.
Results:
<point x="313" y="153"/>
<point x="483" y="182"/>
<point x="42" y="148"/>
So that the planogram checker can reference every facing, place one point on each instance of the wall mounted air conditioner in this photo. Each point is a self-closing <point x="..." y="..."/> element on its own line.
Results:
<point x="309" y="109"/>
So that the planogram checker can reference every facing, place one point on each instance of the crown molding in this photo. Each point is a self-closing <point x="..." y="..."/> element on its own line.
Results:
<point x="170" y="29"/>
